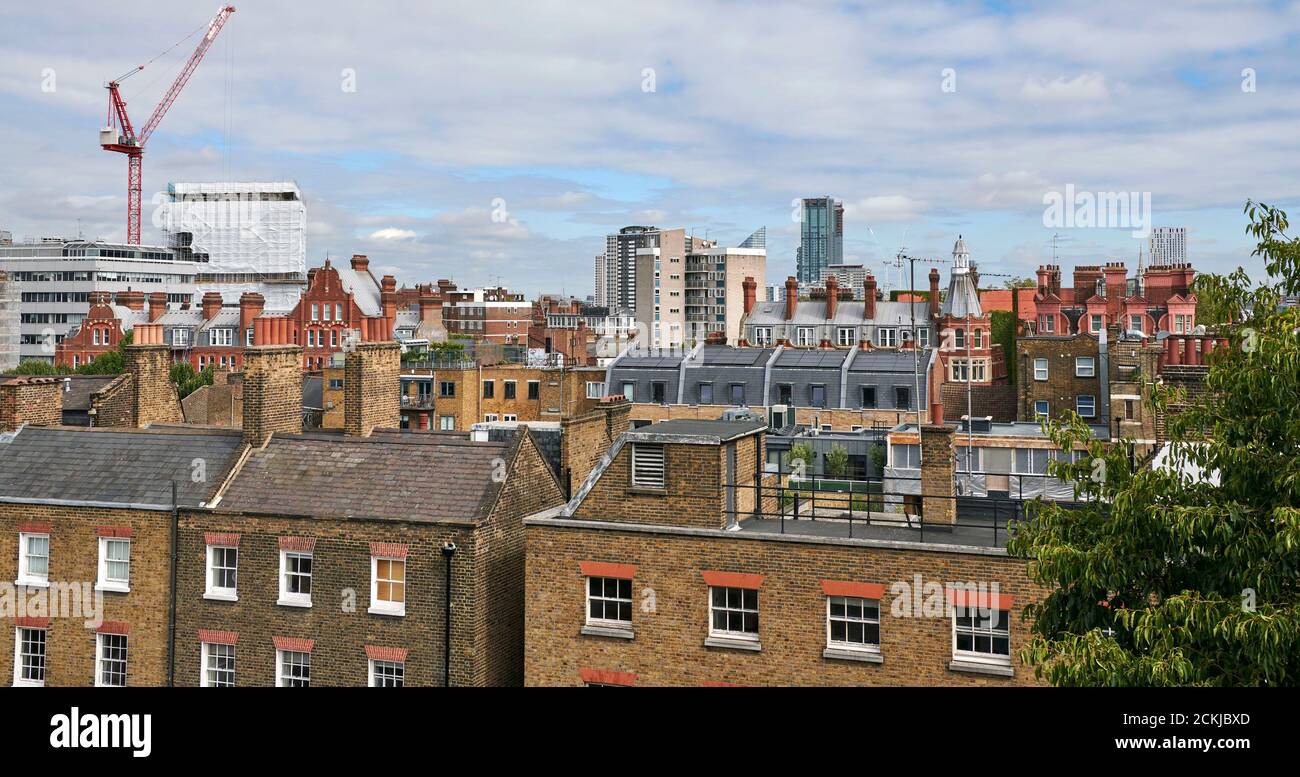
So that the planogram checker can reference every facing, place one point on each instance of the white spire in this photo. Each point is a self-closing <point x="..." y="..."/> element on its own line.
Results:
<point x="960" y="255"/>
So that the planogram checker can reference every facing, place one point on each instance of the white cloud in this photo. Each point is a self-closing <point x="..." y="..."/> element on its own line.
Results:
<point x="392" y="233"/>
<point x="883" y="208"/>
<point x="1081" y="88"/>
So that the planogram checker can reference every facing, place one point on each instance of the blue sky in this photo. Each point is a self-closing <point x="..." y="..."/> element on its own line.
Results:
<point x="548" y="107"/>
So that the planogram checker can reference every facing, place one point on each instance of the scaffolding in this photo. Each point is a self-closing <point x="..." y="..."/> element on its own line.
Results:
<point x="9" y="319"/>
<point x="258" y="230"/>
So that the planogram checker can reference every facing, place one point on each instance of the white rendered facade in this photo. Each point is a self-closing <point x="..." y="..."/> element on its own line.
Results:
<point x="54" y="279"/>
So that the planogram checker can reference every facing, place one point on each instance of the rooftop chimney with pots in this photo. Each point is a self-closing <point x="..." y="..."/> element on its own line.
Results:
<point x="371" y="376"/>
<point x="750" y="287"/>
<point x="211" y="304"/>
<point x="869" y="296"/>
<point x="251" y="305"/>
<point x="148" y="362"/>
<point x="157" y="305"/>
<point x="360" y="263"/>
<point x="791" y="296"/>
<point x="832" y="296"/>
<point x="131" y="300"/>
<point x="272" y="392"/>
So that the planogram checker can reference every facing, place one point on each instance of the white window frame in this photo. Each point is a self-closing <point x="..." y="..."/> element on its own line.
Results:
<point x="1078" y="405"/>
<point x="373" y="675"/>
<point x="978" y="657"/>
<point x="1094" y="322"/>
<point x="846" y="336"/>
<point x="287" y="598"/>
<point x="762" y="335"/>
<point x="649" y="466"/>
<point x="104" y="583"/>
<point x="101" y="659"/>
<point x="210" y="589"/>
<point x="805" y="336"/>
<point x="1040" y="368"/>
<point x="19" y="682"/>
<point x="887" y="337"/>
<point x="1045" y="412"/>
<point x="25" y="575"/>
<point x="381" y="607"/>
<point x="280" y="677"/>
<point x="923" y="337"/>
<point x="728" y="609"/>
<point x="606" y="599"/>
<point x="447" y="423"/>
<point x="222" y="336"/>
<point x="595" y="389"/>
<point x="1049" y="324"/>
<point x="1079" y="367"/>
<point x="861" y="647"/>
<point x="206" y="656"/>
<point x="180" y="336"/>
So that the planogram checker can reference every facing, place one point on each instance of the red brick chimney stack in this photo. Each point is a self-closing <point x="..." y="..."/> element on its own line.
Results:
<point x="791" y="296"/>
<point x="211" y="304"/>
<point x="157" y="305"/>
<point x="832" y="296"/>
<point x="869" y="290"/>
<point x="751" y="293"/>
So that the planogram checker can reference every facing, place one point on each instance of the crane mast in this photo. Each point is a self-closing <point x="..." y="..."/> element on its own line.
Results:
<point x="119" y="134"/>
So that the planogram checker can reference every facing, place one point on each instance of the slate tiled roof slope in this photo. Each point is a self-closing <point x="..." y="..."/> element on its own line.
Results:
<point x="388" y="476"/>
<point x="115" y="467"/>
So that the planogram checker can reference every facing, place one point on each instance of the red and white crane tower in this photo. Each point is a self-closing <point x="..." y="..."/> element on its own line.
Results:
<point x="120" y="136"/>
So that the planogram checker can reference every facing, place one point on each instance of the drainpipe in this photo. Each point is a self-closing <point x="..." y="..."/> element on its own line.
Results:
<point x="171" y="612"/>
<point x="448" y="550"/>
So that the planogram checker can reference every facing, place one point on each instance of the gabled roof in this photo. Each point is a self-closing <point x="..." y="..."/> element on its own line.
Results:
<point x="115" y="467"/>
<point x="426" y="478"/>
<point x="362" y="286"/>
<point x="847" y="313"/>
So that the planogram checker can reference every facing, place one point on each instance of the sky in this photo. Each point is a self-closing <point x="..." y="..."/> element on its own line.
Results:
<point x="499" y="142"/>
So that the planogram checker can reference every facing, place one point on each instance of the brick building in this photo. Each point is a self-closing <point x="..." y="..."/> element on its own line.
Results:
<point x="276" y="529"/>
<point x="493" y="314"/>
<point x="659" y="572"/>
<point x="1059" y="375"/>
<point x="1158" y="299"/>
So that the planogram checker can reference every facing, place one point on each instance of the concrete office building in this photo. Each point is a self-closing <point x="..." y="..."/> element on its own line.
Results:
<point x="618" y="278"/>
<point x="55" y="278"/>
<point x="1168" y="246"/>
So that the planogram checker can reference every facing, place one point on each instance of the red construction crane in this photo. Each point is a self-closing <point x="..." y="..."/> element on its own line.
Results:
<point x="121" y="137"/>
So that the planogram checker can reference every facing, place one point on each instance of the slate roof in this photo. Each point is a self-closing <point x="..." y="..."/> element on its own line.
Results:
<point x="117" y="467"/>
<point x="426" y="478"/>
<point x="365" y="291"/>
<point x="78" y="388"/>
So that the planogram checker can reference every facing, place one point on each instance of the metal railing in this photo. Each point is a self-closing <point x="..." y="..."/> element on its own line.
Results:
<point x="866" y="509"/>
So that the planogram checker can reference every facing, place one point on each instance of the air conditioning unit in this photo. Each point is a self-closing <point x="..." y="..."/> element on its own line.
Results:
<point x="779" y="417"/>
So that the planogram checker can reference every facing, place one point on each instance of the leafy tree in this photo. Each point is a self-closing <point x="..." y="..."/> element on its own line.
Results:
<point x="802" y="457"/>
<point x="187" y="380"/>
<point x="1002" y="330"/>
<point x="1019" y="283"/>
<point x="836" y="461"/>
<point x="1166" y="579"/>
<point x="39" y="367"/>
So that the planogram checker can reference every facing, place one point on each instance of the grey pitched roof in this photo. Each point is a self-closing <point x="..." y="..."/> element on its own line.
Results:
<point x="963" y="299"/>
<point x="115" y="467"/>
<point x="365" y="291"/>
<point x="889" y="361"/>
<point x="408" y="477"/>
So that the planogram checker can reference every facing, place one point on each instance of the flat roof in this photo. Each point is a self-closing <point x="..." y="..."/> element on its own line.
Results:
<point x="699" y="432"/>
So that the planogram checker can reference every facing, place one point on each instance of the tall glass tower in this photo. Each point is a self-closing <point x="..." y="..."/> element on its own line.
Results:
<point x="821" y="238"/>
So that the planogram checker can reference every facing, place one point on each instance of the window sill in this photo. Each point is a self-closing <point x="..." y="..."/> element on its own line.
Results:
<point x="113" y="588"/>
<point x="978" y="667"/>
<point x="648" y="491"/>
<point x="849" y="654"/>
<point x="27" y="684"/>
<point x="292" y="603"/>
<point x="734" y="643"/>
<point x="592" y="630"/>
<point x="28" y="583"/>
<point x="391" y="612"/>
<point x="217" y="597"/>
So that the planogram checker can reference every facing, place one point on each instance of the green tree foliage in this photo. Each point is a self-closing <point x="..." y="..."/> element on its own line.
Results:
<point x="1165" y="579"/>
<point x="110" y="363"/>
<point x="1002" y="330"/>
<point x="802" y="458"/>
<point x="187" y="380"/>
<point x="836" y="461"/>
<point x="1019" y="283"/>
